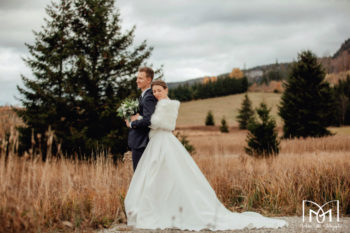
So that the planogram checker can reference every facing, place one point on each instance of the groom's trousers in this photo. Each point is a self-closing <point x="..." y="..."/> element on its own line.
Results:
<point x="136" y="155"/>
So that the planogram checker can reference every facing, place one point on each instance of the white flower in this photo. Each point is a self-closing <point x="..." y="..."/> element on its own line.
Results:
<point x="127" y="108"/>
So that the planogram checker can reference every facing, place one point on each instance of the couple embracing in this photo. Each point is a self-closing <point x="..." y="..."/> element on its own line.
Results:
<point x="168" y="190"/>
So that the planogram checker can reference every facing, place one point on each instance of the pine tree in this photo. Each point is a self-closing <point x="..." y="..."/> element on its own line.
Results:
<point x="262" y="137"/>
<point x="245" y="112"/>
<point x="223" y="127"/>
<point x="308" y="104"/>
<point x="342" y="95"/>
<point x="209" y="119"/>
<point x="84" y="66"/>
<point x="186" y="143"/>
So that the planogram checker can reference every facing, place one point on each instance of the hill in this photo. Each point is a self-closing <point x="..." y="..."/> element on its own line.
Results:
<point x="345" y="47"/>
<point x="259" y="74"/>
<point x="339" y="62"/>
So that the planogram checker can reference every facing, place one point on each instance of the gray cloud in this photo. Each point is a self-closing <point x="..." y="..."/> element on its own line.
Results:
<point x="22" y="4"/>
<point x="233" y="33"/>
<point x="198" y="37"/>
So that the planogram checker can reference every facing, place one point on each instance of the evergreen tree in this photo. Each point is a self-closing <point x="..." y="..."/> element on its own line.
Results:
<point x="186" y="143"/>
<point x="262" y="137"/>
<point x="83" y="67"/>
<point x="307" y="104"/>
<point x="342" y="95"/>
<point x="245" y="112"/>
<point x="210" y="119"/>
<point x="223" y="127"/>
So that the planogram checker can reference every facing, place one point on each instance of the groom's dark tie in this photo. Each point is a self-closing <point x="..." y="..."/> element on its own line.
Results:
<point x="140" y="98"/>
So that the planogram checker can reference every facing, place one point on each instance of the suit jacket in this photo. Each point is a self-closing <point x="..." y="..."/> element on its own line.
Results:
<point x="138" y="134"/>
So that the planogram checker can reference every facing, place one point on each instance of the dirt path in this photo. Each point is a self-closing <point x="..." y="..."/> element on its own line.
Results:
<point x="295" y="226"/>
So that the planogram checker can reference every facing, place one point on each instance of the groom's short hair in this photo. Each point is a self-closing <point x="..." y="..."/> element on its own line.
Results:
<point x="149" y="72"/>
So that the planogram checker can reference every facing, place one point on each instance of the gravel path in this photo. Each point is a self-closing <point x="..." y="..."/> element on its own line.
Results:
<point x="295" y="225"/>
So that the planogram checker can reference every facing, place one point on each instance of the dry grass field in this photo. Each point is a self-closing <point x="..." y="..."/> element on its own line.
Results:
<point x="8" y="119"/>
<point x="65" y="195"/>
<point x="194" y="112"/>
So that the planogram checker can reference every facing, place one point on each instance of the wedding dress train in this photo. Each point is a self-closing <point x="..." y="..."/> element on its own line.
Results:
<point x="168" y="190"/>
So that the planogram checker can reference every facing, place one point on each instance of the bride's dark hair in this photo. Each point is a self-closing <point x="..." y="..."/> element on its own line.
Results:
<point x="159" y="83"/>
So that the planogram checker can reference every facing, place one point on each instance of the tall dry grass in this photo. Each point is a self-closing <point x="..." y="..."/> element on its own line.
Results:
<point x="8" y="121"/>
<point x="278" y="185"/>
<point x="69" y="195"/>
<point x="38" y="196"/>
<point x="316" y="169"/>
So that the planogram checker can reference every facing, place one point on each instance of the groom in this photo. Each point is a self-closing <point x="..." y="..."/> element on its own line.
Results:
<point x="138" y="134"/>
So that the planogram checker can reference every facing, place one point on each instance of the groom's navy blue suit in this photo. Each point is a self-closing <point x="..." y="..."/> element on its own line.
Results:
<point x="138" y="134"/>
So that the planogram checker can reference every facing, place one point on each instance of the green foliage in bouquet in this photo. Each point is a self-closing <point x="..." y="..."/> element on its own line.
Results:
<point x="128" y="108"/>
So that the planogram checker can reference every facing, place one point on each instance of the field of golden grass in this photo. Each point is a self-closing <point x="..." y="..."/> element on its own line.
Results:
<point x="194" y="112"/>
<point x="8" y="119"/>
<point x="334" y="78"/>
<point x="65" y="195"/>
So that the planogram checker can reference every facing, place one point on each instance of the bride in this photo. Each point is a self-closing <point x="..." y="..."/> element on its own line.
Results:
<point x="168" y="190"/>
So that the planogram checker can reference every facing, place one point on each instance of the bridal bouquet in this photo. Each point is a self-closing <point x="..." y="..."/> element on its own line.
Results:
<point x="128" y="108"/>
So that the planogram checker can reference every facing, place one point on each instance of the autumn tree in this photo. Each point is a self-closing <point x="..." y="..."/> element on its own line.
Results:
<point x="236" y="73"/>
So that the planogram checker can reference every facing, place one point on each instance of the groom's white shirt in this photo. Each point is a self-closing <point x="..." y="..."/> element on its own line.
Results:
<point x="142" y="94"/>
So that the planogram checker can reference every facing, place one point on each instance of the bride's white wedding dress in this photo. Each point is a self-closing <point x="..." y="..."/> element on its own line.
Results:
<point x="168" y="190"/>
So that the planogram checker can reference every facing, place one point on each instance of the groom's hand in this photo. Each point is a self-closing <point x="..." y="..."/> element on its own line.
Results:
<point x="134" y="117"/>
<point x="127" y="123"/>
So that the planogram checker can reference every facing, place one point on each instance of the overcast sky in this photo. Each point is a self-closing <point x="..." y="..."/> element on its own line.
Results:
<point x="193" y="38"/>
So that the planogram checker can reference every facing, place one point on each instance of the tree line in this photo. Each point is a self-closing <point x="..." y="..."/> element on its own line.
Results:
<point x="220" y="87"/>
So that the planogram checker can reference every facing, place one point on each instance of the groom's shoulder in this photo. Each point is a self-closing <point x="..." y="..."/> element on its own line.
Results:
<point x="149" y="96"/>
<point x="149" y="92"/>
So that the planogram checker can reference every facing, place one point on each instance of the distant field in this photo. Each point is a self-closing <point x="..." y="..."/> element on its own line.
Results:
<point x="344" y="130"/>
<point x="194" y="112"/>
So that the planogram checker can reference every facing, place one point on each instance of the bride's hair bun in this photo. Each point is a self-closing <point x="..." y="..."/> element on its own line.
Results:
<point x="159" y="83"/>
